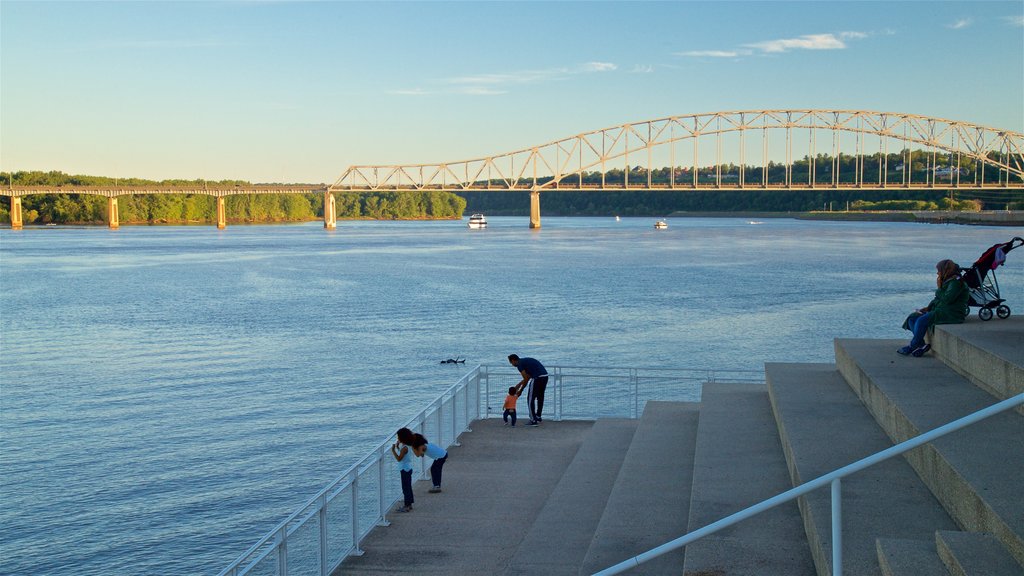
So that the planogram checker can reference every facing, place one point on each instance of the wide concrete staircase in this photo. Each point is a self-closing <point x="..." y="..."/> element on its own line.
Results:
<point x="951" y="507"/>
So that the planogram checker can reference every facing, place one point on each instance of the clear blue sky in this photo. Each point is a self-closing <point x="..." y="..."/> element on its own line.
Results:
<point x="272" y="91"/>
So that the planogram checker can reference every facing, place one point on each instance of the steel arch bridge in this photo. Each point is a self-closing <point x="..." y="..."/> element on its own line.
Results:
<point x="700" y="151"/>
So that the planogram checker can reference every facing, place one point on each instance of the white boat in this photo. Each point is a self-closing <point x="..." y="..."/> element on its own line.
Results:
<point x="617" y="219"/>
<point x="477" y="221"/>
<point x="660" y="225"/>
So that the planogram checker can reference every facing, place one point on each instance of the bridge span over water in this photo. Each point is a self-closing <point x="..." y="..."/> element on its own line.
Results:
<point x="731" y="150"/>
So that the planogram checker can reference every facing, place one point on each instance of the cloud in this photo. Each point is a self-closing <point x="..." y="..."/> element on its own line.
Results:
<point x="642" y="69"/>
<point x="480" y="91"/>
<point x="598" y="67"/>
<point x="959" y="24"/>
<point x="409" y="92"/>
<point x="1014" y="20"/>
<point x="496" y="83"/>
<point x="806" y="42"/>
<point x="830" y="41"/>
<point x="714" y="53"/>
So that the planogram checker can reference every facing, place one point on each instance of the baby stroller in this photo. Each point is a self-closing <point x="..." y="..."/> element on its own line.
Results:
<point x="981" y="280"/>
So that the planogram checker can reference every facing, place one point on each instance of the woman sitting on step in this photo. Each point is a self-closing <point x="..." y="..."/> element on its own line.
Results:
<point x="948" y="307"/>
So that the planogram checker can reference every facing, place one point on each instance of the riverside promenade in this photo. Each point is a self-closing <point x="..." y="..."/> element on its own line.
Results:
<point x="574" y="497"/>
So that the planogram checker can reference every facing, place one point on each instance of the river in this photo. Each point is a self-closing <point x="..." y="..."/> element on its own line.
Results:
<point x="169" y="393"/>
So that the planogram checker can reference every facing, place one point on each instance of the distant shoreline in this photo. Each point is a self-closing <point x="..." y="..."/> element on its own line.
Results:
<point x="983" y="218"/>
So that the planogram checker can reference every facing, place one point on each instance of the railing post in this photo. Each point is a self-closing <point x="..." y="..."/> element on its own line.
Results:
<point x="837" y="528"/>
<point x="440" y="424"/>
<point x="381" y="519"/>
<point x="560" y="403"/>
<point x="282" y="551"/>
<point x="634" y="387"/>
<point x="323" y="536"/>
<point x="355" y="516"/>
<point x="455" y="420"/>
<point x="487" y="394"/>
<point x="468" y="420"/>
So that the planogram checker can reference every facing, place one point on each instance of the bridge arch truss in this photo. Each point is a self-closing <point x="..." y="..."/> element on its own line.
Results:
<point x="751" y="149"/>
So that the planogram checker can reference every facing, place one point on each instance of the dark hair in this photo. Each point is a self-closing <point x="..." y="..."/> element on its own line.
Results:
<point x="405" y="435"/>
<point x="417" y="441"/>
<point x="513" y="357"/>
<point x="511" y="389"/>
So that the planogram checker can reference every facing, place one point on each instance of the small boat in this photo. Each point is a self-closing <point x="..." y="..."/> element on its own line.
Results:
<point x="660" y="225"/>
<point x="617" y="219"/>
<point x="477" y="221"/>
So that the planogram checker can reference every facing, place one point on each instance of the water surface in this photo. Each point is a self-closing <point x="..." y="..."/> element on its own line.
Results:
<point x="169" y="394"/>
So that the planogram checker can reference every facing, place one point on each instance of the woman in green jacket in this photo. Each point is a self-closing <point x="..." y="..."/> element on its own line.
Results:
<point x="948" y="307"/>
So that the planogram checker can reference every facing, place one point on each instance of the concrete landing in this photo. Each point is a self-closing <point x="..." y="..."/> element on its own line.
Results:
<point x="495" y="485"/>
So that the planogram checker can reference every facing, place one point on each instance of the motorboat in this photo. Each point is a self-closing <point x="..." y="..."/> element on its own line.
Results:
<point x="617" y="219"/>
<point x="477" y="221"/>
<point x="660" y="225"/>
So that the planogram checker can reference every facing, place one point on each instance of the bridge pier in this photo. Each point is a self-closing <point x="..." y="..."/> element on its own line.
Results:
<point x="330" y="214"/>
<point x="113" y="216"/>
<point x="534" y="209"/>
<point x="222" y="218"/>
<point x="16" y="222"/>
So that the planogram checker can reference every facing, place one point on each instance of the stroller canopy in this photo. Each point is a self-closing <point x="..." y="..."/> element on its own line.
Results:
<point x="990" y="260"/>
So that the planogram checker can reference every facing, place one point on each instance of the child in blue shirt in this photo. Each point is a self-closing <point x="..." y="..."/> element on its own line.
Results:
<point x="421" y="447"/>
<point x="400" y="450"/>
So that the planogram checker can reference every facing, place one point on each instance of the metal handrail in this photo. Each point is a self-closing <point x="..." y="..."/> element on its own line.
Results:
<point x="276" y="540"/>
<point x="473" y="388"/>
<point x="833" y="478"/>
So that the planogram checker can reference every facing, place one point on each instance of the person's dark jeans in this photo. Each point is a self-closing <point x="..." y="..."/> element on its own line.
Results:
<point x="407" y="487"/>
<point x="536" y="398"/>
<point x="509" y="412"/>
<point x="435" y="470"/>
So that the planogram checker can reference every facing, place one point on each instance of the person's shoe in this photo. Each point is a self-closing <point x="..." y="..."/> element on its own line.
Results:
<point x="921" y="350"/>
<point x="905" y="351"/>
<point x="434" y="490"/>
<point x="404" y="509"/>
<point x="534" y="423"/>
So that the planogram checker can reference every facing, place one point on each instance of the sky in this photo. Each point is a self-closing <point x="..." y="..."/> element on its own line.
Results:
<point x="284" y="91"/>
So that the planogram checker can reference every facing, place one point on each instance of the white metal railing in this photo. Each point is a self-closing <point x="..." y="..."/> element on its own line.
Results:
<point x="317" y="537"/>
<point x="833" y="478"/>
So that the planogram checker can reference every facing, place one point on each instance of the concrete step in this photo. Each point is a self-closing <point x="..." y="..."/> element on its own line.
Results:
<point x="738" y="463"/>
<point x="558" y="540"/>
<point x="824" y="426"/>
<point x="989" y="354"/>
<point x="649" y="503"/>
<point x="977" y="472"/>
<point x="975" y="554"/>
<point x="901" y="557"/>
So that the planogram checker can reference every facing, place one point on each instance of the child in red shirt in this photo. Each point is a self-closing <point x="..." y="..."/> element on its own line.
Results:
<point x="510" y="406"/>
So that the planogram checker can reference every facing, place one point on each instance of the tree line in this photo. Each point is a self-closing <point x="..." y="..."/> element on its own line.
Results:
<point x="201" y="209"/>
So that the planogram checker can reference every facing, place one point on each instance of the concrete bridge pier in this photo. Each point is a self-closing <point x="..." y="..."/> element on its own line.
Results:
<point x="16" y="217"/>
<point x="113" y="216"/>
<point x="534" y="209"/>
<point x="222" y="217"/>
<point x="330" y="214"/>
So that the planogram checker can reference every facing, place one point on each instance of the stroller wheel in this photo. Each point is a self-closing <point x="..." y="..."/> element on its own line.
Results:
<point x="1003" y="311"/>
<point x="985" y="314"/>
